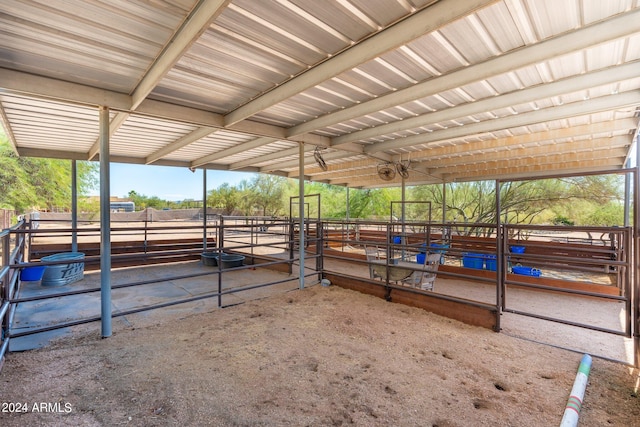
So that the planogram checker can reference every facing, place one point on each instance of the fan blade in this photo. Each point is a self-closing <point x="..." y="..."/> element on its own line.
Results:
<point x="319" y="160"/>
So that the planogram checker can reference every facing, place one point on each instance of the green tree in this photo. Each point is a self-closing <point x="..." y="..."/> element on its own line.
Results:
<point x="246" y="203"/>
<point x="226" y="197"/>
<point x="591" y="200"/>
<point x="142" y="202"/>
<point x="16" y="190"/>
<point x="372" y="202"/>
<point x="38" y="183"/>
<point x="267" y="193"/>
<point x="138" y="199"/>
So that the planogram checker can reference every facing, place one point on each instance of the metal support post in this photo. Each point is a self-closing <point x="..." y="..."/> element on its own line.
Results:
<point x="301" y="212"/>
<point x="204" y="210"/>
<point x="105" y="225"/>
<point x="74" y="206"/>
<point x="500" y="294"/>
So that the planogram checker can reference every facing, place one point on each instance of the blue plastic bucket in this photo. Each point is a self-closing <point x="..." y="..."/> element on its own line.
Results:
<point x="442" y="246"/>
<point x="517" y="249"/>
<point x="490" y="262"/>
<point x="32" y="274"/>
<point x="526" y="271"/>
<point x="397" y="240"/>
<point x="63" y="274"/>
<point x="438" y="248"/>
<point x="471" y="260"/>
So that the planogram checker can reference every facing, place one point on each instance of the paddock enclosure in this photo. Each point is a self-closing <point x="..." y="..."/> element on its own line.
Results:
<point x="360" y="94"/>
<point x="243" y="318"/>
<point x="584" y="283"/>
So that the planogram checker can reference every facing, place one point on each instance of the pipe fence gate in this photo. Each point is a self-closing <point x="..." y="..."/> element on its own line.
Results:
<point x="568" y="266"/>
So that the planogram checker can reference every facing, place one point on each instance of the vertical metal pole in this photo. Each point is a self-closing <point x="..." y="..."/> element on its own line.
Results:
<point x="629" y="274"/>
<point x="500" y="297"/>
<point x="301" y="211"/>
<point x="105" y="225"/>
<point x="348" y="207"/>
<point x="220" y="246"/>
<point x="74" y="206"/>
<point x="204" y="210"/>
<point x="635" y="295"/>
<point x="444" y="202"/>
<point x="348" y="226"/>
<point x="403" y="214"/>
<point x="627" y="194"/>
<point x="6" y="260"/>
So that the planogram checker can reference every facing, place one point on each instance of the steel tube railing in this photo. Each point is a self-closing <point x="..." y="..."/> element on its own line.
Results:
<point x="10" y="304"/>
<point x="607" y="252"/>
<point x="153" y="307"/>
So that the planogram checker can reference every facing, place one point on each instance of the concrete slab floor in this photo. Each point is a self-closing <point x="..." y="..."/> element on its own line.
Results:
<point x="167" y="286"/>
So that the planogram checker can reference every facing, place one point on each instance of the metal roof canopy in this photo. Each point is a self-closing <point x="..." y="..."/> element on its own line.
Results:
<point x="458" y="90"/>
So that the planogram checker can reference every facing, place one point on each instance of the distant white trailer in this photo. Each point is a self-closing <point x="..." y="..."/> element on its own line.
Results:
<point x="122" y="206"/>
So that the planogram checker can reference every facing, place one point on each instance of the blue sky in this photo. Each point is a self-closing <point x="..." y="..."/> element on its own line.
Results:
<point x="168" y="183"/>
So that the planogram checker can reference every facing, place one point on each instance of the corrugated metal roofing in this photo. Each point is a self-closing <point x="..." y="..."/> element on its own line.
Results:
<point x="460" y="89"/>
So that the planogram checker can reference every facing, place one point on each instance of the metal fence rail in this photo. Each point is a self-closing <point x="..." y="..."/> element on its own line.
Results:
<point x="571" y="252"/>
<point x="594" y="262"/>
<point x="12" y="254"/>
<point x="241" y="237"/>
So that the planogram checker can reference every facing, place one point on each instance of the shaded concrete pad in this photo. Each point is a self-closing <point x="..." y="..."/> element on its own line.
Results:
<point x="167" y="286"/>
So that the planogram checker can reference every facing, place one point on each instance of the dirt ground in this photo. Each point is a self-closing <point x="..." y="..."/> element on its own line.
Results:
<point x="316" y="357"/>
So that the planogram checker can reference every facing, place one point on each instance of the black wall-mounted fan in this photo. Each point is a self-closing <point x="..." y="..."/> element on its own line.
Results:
<point x="386" y="171"/>
<point x="403" y="169"/>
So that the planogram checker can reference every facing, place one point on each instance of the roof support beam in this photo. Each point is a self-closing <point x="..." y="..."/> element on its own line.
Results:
<point x="533" y="169"/>
<point x="531" y="94"/>
<point x="114" y="125"/>
<point x="250" y="145"/>
<point x="335" y="155"/>
<point x="179" y="143"/>
<point x="273" y="156"/>
<point x="489" y="163"/>
<point x="206" y="118"/>
<point x="623" y="100"/>
<point x="294" y="163"/>
<point x="573" y="150"/>
<point x="6" y="125"/>
<point x="345" y="170"/>
<point x="589" y="36"/>
<point x="196" y="24"/>
<point x="45" y="87"/>
<point x="478" y="147"/>
<point x="423" y="22"/>
<point x="51" y="154"/>
<point x="492" y="169"/>
<point x="371" y="181"/>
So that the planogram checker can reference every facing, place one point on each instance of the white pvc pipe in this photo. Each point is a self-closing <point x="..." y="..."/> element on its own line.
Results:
<point x="572" y="410"/>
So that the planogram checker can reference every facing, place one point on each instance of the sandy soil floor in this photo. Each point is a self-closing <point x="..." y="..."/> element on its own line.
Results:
<point x="320" y="356"/>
